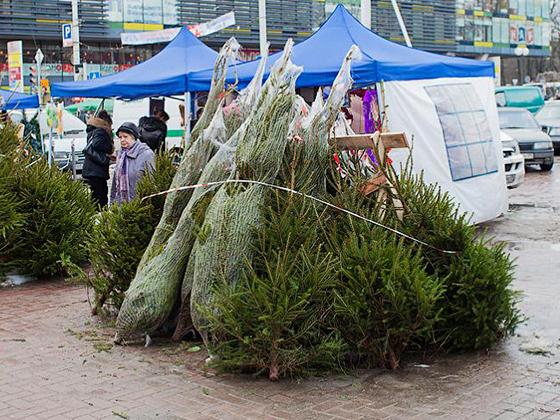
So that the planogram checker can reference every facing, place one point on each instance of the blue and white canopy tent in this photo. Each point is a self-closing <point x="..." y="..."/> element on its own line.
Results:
<point x="167" y="73"/>
<point x="445" y="104"/>
<point x="15" y="100"/>
<point x="322" y="53"/>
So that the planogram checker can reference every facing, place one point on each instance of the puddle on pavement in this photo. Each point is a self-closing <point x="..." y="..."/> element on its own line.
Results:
<point x="15" y="279"/>
<point x="531" y="246"/>
<point x="534" y="207"/>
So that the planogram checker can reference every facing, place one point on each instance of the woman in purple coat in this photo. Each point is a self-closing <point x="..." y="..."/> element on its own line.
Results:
<point x="134" y="160"/>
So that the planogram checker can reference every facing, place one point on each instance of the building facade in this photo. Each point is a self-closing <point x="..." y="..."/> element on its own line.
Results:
<point x="463" y="27"/>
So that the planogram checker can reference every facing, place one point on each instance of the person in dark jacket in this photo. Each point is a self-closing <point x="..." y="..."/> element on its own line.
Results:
<point x="97" y="156"/>
<point x="153" y="130"/>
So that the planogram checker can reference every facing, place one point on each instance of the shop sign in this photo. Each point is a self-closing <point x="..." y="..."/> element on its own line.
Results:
<point x="15" y="66"/>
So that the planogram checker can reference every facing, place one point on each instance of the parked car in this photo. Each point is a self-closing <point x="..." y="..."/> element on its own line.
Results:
<point x="514" y="161"/>
<point x="528" y="97"/>
<point x="549" y="118"/>
<point x="74" y="132"/>
<point x="536" y="146"/>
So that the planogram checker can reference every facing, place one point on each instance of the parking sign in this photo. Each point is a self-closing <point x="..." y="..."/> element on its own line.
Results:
<point x="67" y="35"/>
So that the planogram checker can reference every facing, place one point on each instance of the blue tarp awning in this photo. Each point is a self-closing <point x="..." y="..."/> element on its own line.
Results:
<point x="322" y="53"/>
<point x="167" y="73"/>
<point x="11" y="100"/>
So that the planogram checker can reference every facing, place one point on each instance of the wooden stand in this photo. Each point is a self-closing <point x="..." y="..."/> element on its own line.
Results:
<point x="381" y="142"/>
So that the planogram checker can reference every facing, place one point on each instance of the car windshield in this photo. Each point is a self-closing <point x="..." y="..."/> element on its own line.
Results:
<point x="550" y="111"/>
<point x="523" y="96"/>
<point x="517" y="119"/>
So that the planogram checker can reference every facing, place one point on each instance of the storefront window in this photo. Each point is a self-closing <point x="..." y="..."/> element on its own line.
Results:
<point x="496" y="31"/>
<point x="530" y="5"/>
<point x="505" y="31"/>
<point x="546" y="34"/>
<point x="522" y="7"/>
<point x="538" y="8"/>
<point x="502" y="6"/>
<point x="513" y="7"/>
<point x="487" y="29"/>
<point x="479" y="28"/>
<point x="546" y="9"/>
<point x="460" y="28"/>
<point x="469" y="29"/>
<point x="538" y="35"/>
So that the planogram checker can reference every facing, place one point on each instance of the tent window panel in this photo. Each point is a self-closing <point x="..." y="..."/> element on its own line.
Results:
<point x="467" y="135"/>
<point x="452" y="137"/>
<point x="459" y="163"/>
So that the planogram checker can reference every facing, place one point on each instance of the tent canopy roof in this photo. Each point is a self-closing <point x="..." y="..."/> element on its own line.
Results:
<point x="322" y="53"/>
<point x="167" y="73"/>
<point x="11" y="100"/>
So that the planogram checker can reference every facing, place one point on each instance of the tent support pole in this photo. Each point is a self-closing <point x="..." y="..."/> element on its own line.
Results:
<point x="401" y="23"/>
<point x="187" y="118"/>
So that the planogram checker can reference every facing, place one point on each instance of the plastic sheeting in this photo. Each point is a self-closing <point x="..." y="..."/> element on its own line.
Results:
<point x="322" y="53"/>
<point x="167" y="73"/>
<point x="456" y="139"/>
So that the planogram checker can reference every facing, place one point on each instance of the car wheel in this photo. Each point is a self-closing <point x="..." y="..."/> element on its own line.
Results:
<point x="546" y="166"/>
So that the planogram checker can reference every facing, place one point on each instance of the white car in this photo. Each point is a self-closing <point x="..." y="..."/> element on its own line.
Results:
<point x="74" y="132"/>
<point x="514" y="161"/>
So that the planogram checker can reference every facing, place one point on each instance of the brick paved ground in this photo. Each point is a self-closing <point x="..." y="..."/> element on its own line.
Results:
<point x="57" y="362"/>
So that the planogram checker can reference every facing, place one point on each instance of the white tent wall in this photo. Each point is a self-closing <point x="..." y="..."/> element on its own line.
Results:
<point x="410" y="109"/>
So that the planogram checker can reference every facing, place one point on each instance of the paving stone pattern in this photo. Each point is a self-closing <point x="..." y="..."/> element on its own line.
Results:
<point x="58" y="362"/>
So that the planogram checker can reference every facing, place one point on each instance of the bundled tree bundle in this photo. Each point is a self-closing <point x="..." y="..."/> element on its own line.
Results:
<point x="154" y="290"/>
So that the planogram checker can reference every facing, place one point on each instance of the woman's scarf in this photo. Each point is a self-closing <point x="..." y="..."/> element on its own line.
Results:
<point x="121" y="172"/>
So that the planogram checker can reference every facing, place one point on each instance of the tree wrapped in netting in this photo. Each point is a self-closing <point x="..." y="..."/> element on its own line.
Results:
<point x="154" y="290"/>
<point x="197" y="154"/>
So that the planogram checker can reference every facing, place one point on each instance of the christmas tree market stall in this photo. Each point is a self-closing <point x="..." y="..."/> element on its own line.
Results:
<point x="289" y="249"/>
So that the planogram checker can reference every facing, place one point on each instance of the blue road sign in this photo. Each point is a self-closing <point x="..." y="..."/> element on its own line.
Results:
<point x="67" y="35"/>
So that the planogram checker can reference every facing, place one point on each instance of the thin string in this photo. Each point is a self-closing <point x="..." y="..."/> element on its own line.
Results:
<point x="264" y="184"/>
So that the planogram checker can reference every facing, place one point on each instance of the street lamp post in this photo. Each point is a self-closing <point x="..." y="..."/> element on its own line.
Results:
<point x="262" y="27"/>
<point x="365" y="8"/>
<point x="521" y="52"/>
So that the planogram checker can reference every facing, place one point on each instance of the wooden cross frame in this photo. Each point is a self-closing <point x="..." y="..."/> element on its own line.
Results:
<point x="381" y="142"/>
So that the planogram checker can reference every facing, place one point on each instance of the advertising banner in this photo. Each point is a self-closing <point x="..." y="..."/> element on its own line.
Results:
<point x="149" y="37"/>
<point x="513" y="33"/>
<point x="166" y="35"/>
<point x="107" y="69"/>
<point x="52" y="69"/>
<point x="215" y="25"/>
<point x="15" y="66"/>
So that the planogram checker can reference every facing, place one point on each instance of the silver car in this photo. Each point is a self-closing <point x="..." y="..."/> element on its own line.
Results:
<point x="536" y="146"/>
<point x="549" y="118"/>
